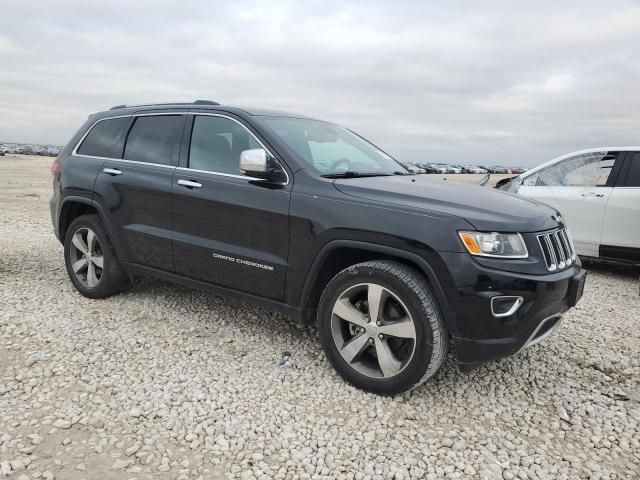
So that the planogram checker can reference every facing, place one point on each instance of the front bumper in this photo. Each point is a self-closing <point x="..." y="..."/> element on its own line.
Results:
<point x="479" y="335"/>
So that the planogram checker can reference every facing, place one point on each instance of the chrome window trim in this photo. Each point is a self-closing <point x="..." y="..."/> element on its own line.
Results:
<point x="187" y="169"/>
<point x="75" y="153"/>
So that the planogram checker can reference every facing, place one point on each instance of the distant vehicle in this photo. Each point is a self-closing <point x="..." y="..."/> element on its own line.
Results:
<point x="597" y="191"/>
<point x="1" y="153"/>
<point x="438" y="168"/>
<point x="473" y="169"/>
<point x="19" y="150"/>
<point x="53" y="151"/>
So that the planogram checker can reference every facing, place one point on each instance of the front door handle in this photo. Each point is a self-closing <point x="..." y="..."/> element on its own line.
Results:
<point x="112" y="171"/>
<point x="189" y="184"/>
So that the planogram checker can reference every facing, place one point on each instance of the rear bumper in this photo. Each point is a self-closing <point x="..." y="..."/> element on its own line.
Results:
<point x="481" y="335"/>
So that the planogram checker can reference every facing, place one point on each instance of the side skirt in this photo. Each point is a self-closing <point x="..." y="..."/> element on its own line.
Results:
<point x="289" y="311"/>
<point x="620" y="254"/>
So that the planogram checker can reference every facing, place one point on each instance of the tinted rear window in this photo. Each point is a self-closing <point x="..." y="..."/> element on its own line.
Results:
<point x="154" y="139"/>
<point x="105" y="139"/>
<point x="633" y="173"/>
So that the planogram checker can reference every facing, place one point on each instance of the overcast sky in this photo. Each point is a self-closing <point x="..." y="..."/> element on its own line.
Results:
<point x="461" y="82"/>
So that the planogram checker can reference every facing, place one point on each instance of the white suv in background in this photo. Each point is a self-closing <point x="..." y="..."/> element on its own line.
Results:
<point x="598" y="193"/>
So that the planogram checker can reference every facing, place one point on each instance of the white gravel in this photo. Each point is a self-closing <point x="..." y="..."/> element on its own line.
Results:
<point x="167" y="382"/>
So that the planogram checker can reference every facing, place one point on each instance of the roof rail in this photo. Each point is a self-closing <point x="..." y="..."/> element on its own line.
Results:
<point x="195" y="102"/>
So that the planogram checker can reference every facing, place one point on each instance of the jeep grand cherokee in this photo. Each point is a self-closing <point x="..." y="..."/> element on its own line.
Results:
<point x="309" y="218"/>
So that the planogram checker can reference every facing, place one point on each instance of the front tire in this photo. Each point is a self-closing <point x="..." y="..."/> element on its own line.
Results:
<point x="381" y="327"/>
<point x="90" y="259"/>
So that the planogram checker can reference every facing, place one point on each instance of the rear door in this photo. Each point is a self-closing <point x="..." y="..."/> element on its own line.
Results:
<point x="136" y="190"/>
<point x="621" y="230"/>
<point x="229" y="229"/>
<point x="579" y="188"/>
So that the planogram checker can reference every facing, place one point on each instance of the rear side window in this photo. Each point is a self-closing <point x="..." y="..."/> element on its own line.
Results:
<point x="633" y="172"/>
<point x="105" y="139"/>
<point x="154" y="139"/>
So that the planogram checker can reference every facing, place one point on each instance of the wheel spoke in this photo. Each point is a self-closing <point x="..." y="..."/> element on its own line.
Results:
<point x="346" y="311"/>
<point x="98" y="261"/>
<point x="91" y="241"/>
<point x="92" y="280"/>
<point x="389" y="365"/>
<point x="78" y="265"/>
<point x="78" y="242"/>
<point x="353" y="347"/>
<point x="403" y="328"/>
<point x="375" y="299"/>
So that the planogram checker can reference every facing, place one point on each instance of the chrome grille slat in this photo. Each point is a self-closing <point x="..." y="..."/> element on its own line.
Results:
<point x="557" y="249"/>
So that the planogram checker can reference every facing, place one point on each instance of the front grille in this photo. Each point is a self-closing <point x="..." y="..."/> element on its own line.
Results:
<point x="557" y="249"/>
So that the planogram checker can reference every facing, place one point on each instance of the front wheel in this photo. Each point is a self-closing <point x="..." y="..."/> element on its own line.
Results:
<point x="381" y="327"/>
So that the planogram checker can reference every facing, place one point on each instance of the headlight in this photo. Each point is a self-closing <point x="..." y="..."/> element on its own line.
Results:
<point x="491" y="244"/>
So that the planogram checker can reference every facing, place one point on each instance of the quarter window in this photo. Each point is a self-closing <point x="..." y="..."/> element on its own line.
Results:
<point x="583" y="170"/>
<point x="216" y="144"/>
<point x="105" y="138"/>
<point x="154" y="139"/>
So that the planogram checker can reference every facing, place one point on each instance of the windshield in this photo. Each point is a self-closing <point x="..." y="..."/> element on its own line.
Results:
<point x="332" y="150"/>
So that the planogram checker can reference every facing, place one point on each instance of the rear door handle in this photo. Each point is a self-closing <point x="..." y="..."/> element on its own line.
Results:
<point x="112" y="171"/>
<point x="189" y="184"/>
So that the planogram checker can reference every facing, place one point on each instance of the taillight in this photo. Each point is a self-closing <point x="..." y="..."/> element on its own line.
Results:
<point x="55" y="166"/>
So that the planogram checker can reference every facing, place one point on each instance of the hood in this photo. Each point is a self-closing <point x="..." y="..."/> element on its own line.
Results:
<point x="485" y="208"/>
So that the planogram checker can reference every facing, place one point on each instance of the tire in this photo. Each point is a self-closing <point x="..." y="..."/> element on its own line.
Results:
<point x="108" y="276"/>
<point x="405" y="296"/>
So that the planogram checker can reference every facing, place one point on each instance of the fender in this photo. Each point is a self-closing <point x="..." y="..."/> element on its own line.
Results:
<point x="424" y="266"/>
<point x="115" y="241"/>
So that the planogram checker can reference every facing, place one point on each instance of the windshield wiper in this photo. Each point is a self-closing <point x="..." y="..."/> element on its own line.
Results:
<point x="354" y="174"/>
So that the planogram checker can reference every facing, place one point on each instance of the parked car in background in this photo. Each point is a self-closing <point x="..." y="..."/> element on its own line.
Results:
<point x="473" y="169"/>
<point x="598" y="193"/>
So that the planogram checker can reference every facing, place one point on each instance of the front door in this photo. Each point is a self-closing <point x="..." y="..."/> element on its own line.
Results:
<point x="578" y="187"/>
<point x="229" y="229"/>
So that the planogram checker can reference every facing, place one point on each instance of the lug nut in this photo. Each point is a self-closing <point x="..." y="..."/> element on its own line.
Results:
<point x="379" y="323"/>
<point x="371" y="340"/>
<point x="380" y="336"/>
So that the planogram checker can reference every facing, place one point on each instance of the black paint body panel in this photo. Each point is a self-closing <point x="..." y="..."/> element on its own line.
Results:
<point x="266" y="243"/>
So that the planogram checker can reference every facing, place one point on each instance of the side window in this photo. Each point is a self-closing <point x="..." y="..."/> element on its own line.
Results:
<point x="633" y="171"/>
<point x="105" y="138"/>
<point x="216" y="144"/>
<point x="584" y="170"/>
<point x="154" y="139"/>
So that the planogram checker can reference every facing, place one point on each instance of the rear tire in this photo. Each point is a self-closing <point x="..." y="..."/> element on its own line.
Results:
<point x="388" y="349"/>
<point x="90" y="259"/>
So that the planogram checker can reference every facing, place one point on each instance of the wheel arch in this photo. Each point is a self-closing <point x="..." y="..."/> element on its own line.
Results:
<point x="74" y="206"/>
<point x="337" y="255"/>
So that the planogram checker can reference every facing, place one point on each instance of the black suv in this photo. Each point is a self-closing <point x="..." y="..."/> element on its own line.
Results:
<point x="309" y="218"/>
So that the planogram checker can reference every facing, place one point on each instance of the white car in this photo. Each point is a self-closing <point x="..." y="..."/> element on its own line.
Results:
<point x="598" y="193"/>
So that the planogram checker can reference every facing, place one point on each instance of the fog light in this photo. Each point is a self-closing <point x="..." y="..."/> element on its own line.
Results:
<point x="505" y="306"/>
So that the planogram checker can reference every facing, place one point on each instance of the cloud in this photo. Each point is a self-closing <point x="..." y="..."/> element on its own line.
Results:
<point x="462" y="82"/>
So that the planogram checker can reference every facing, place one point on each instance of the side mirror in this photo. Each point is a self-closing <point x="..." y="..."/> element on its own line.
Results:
<point x="253" y="161"/>
<point x="258" y="164"/>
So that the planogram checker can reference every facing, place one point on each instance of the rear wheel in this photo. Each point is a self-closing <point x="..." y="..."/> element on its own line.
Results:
<point x="91" y="262"/>
<point x="381" y="327"/>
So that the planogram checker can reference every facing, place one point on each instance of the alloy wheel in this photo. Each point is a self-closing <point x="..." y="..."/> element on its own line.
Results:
<point x="373" y="330"/>
<point x="87" y="260"/>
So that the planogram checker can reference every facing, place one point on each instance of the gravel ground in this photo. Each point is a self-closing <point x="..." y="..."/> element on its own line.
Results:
<point x="167" y="382"/>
